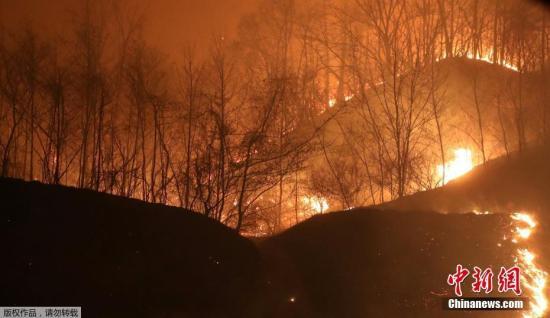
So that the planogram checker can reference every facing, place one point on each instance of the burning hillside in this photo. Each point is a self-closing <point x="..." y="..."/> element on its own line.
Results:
<point x="311" y="106"/>
<point x="346" y="264"/>
<point x="313" y="158"/>
<point x="337" y="264"/>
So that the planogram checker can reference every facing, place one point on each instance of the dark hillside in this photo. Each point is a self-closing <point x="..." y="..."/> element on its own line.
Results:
<point x="117" y="257"/>
<point x="506" y="184"/>
<point x="371" y="263"/>
<point x="111" y="255"/>
<point x="516" y="182"/>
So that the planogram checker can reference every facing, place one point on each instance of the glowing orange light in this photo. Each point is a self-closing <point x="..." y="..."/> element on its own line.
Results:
<point x="332" y="101"/>
<point x="317" y="204"/>
<point x="486" y="58"/>
<point x="533" y="277"/>
<point x="460" y="165"/>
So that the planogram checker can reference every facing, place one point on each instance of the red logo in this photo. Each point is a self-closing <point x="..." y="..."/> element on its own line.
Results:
<point x="457" y="278"/>
<point x="483" y="280"/>
<point x="508" y="280"/>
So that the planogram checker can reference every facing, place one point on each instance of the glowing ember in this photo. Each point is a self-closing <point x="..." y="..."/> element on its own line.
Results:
<point x="317" y="204"/>
<point x="523" y="233"/>
<point x="476" y="212"/>
<point x="332" y="101"/>
<point x="487" y="58"/>
<point x="525" y="218"/>
<point x="460" y="165"/>
<point x="533" y="278"/>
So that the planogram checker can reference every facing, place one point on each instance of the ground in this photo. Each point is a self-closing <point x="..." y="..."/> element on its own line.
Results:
<point x="120" y="257"/>
<point x="112" y="255"/>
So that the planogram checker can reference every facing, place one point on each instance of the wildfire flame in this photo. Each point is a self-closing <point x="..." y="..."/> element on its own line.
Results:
<point x="332" y="101"/>
<point x="460" y="165"/>
<point x="317" y="204"/>
<point x="486" y="57"/>
<point x="533" y="277"/>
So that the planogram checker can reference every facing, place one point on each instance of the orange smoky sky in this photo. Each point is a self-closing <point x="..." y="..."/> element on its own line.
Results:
<point x="168" y="23"/>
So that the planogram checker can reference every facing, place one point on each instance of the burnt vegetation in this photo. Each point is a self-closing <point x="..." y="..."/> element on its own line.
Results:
<point x="144" y="184"/>
<point x="313" y="105"/>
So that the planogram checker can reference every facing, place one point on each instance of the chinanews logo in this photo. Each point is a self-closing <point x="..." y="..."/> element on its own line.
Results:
<point x="481" y="282"/>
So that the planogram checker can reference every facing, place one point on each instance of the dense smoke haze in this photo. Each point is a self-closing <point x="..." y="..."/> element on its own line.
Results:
<point x="261" y="114"/>
<point x="275" y="158"/>
<point x="170" y="23"/>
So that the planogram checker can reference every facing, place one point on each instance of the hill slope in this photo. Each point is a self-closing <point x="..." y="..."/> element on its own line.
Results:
<point x="392" y="260"/>
<point x="117" y="257"/>
<point x="111" y="255"/>
<point x="372" y="263"/>
<point x="518" y="182"/>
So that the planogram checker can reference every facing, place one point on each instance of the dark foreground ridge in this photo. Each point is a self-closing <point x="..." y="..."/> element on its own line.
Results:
<point x="119" y="257"/>
<point x="372" y="263"/>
